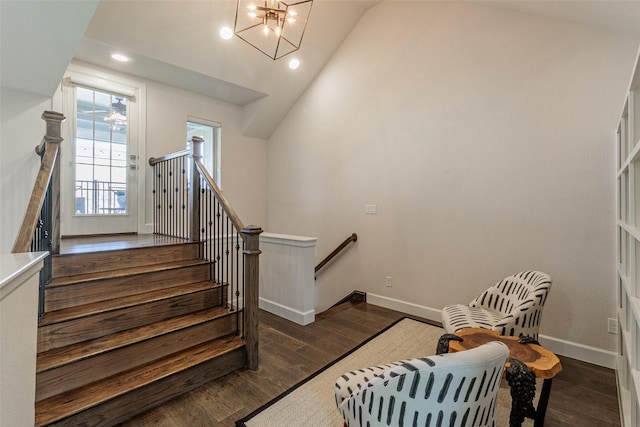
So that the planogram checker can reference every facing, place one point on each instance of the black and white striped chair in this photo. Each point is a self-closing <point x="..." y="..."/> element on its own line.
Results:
<point x="511" y="307"/>
<point x="454" y="389"/>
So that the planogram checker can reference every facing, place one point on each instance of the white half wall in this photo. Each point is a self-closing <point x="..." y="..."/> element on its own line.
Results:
<point x="486" y="139"/>
<point x="286" y="276"/>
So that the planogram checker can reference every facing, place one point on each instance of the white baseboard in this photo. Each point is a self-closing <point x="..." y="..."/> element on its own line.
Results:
<point x="578" y="351"/>
<point x="287" y="312"/>
<point x="405" y="307"/>
<point x="571" y="349"/>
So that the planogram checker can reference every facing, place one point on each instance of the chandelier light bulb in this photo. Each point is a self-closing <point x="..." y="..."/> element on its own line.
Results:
<point x="294" y="63"/>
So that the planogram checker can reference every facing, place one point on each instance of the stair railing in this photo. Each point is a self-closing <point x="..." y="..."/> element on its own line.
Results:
<point x="189" y="204"/>
<point x="353" y="238"/>
<point x="40" y="229"/>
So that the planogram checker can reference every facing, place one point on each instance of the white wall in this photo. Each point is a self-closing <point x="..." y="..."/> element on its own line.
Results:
<point x="21" y="129"/>
<point x="484" y="136"/>
<point x="244" y="159"/>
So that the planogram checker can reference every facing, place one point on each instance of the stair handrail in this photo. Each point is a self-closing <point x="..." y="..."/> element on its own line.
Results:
<point x="353" y="238"/>
<point x="155" y="160"/>
<point x="49" y="172"/>
<point x="235" y="219"/>
<point x="251" y="237"/>
<point x="184" y="174"/>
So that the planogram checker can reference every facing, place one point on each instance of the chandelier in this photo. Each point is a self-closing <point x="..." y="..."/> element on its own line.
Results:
<point x="273" y="27"/>
<point x="118" y="115"/>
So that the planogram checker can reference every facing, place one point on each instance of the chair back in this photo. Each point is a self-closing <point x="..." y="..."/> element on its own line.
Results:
<point x="519" y="299"/>
<point x="454" y="389"/>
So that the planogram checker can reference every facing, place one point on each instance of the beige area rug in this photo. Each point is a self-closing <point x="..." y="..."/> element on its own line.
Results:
<point x="311" y="403"/>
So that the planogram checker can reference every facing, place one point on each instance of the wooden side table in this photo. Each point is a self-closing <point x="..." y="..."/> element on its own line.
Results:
<point x="542" y="362"/>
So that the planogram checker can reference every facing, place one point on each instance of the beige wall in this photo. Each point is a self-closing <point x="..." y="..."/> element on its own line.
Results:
<point x="485" y="137"/>
<point x="21" y="129"/>
<point x="244" y="164"/>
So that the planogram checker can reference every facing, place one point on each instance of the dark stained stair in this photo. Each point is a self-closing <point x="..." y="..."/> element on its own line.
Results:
<point x="125" y="330"/>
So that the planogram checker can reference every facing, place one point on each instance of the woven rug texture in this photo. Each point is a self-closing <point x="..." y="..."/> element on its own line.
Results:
<point x="311" y="403"/>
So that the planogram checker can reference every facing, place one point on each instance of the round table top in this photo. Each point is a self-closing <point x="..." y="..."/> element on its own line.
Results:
<point x="542" y="362"/>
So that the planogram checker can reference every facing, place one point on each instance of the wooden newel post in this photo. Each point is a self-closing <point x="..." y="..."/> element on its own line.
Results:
<point x="49" y="170"/>
<point x="194" y="194"/>
<point x="251" y="252"/>
<point x="54" y="136"/>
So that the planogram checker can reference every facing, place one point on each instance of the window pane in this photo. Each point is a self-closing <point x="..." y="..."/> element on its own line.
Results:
<point x="209" y="145"/>
<point x="101" y="152"/>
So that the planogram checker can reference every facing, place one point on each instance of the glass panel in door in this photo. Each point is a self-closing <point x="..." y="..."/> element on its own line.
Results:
<point x="100" y="154"/>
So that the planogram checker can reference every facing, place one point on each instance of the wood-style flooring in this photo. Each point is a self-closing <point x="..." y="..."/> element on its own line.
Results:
<point x="582" y="395"/>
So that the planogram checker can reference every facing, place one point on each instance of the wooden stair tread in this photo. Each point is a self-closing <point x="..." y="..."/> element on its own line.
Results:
<point x="63" y="405"/>
<point x="123" y="272"/>
<point x="115" y="242"/>
<point x="122" y="302"/>
<point x="69" y="354"/>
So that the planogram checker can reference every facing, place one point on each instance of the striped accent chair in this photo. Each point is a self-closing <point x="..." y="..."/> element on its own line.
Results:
<point x="454" y="389"/>
<point x="512" y="307"/>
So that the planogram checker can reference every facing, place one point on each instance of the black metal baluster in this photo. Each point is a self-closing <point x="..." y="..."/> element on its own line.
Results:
<point x="183" y="204"/>
<point x="243" y="289"/>
<point x="219" y="238"/>
<point x="155" y="203"/>
<point x="227" y="255"/>
<point x="212" y="230"/>
<point x="172" y="216"/>
<point x="237" y="283"/>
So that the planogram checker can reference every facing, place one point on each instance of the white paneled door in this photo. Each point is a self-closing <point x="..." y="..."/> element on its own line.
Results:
<point x="100" y="163"/>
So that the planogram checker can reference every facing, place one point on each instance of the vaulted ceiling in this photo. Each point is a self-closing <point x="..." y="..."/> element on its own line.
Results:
<point x="177" y="42"/>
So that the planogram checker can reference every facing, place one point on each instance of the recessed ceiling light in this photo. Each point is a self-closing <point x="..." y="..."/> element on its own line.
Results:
<point x="119" y="57"/>
<point x="226" y="33"/>
<point x="294" y="63"/>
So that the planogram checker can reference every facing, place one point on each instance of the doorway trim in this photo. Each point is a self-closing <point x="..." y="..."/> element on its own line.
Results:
<point x="108" y="81"/>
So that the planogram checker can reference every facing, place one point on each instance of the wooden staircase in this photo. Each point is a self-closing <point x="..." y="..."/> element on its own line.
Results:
<point x="125" y="330"/>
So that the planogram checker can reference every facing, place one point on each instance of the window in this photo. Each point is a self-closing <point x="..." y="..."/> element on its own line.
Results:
<point x="210" y="132"/>
<point x="100" y="153"/>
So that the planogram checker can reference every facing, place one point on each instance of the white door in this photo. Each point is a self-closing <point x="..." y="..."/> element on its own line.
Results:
<point x="100" y="163"/>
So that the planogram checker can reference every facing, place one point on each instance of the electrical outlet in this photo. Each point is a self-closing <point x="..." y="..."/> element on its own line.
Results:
<point x="388" y="281"/>
<point x="370" y="209"/>
<point x="612" y="326"/>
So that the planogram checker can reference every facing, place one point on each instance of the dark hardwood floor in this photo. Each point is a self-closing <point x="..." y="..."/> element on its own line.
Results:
<point x="582" y="394"/>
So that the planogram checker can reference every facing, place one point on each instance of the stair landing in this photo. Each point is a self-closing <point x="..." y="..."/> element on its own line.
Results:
<point x="112" y="242"/>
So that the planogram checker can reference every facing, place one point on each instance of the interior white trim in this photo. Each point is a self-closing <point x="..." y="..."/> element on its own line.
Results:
<point x="297" y="316"/>
<point x="575" y="350"/>
<point x="85" y="75"/>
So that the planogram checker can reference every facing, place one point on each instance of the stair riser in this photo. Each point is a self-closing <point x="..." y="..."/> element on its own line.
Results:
<point x="67" y="265"/>
<point x="100" y="324"/>
<point x="60" y="297"/>
<point x="68" y="377"/>
<point x="140" y="400"/>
